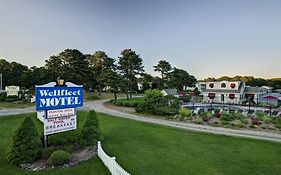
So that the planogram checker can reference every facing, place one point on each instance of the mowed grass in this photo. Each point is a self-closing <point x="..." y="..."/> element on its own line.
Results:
<point x="132" y="100"/>
<point x="148" y="149"/>
<point x="90" y="96"/>
<point x="15" y="105"/>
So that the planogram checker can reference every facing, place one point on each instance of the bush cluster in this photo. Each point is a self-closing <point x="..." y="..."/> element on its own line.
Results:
<point x="26" y="146"/>
<point x="155" y="103"/>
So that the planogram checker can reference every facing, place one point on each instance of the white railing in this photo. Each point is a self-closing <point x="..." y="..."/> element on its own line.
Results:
<point x="110" y="162"/>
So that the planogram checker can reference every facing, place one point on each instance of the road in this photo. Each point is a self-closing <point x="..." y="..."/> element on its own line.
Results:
<point x="99" y="107"/>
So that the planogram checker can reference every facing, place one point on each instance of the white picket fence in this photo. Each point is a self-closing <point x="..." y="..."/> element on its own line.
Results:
<point x="110" y="162"/>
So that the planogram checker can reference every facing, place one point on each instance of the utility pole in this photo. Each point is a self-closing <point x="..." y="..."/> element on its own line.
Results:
<point x="1" y="81"/>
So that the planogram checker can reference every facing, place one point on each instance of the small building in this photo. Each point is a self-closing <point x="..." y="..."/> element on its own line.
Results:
<point x="271" y="99"/>
<point x="253" y="94"/>
<point x="172" y="92"/>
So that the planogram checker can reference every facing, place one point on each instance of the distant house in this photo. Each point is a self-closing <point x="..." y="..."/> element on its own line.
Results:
<point x="271" y="99"/>
<point x="172" y="92"/>
<point x="278" y="91"/>
<point x="253" y="94"/>
<point x="201" y="86"/>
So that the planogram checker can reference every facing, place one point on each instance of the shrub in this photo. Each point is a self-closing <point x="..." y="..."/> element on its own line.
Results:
<point x="244" y="121"/>
<point x="260" y="116"/>
<point x="206" y="116"/>
<point x="277" y="122"/>
<point x="119" y="103"/>
<point x="91" y="132"/>
<point x="238" y="123"/>
<point x="134" y="104"/>
<point x="155" y="103"/>
<point x="65" y="138"/>
<point x="266" y="119"/>
<point x="227" y="117"/>
<point x="224" y="122"/>
<point x="184" y="112"/>
<point x="26" y="145"/>
<point x="59" y="158"/>
<point x="127" y="104"/>
<point x="140" y="108"/>
<point x="198" y="120"/>
<point x="166" y="111"/>
<point x="152" y="100"/>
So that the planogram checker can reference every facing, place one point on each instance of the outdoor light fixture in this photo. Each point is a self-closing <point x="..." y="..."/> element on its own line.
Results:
<point x="60" y="81"/>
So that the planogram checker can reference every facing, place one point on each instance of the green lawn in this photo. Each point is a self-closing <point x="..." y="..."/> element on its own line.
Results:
<point x="149" y="149"/>
<point x="89" y="96"/>
<point x="132" y="100"/>
<point x="14" y="105"/>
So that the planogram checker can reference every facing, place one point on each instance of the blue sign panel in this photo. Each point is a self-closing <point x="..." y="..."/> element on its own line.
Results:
<point x="58" y="97"/>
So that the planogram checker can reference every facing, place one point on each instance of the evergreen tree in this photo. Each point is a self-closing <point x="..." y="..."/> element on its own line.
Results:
<point x="26" y="145"/>
<point x="91" y="132"/>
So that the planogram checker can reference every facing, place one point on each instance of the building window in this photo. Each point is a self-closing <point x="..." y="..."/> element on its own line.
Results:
<point x="211" y="95"/>
<point x="231" y="96"/>
<point x="211" y="85"/>
<point x="232" y="85"/>
<point x="223" y="85"/>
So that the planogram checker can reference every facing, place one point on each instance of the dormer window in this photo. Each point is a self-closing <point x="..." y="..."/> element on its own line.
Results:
<point x="232" y="85"/>
<point x="211" y="85"/>
<point x="223" y="85"/>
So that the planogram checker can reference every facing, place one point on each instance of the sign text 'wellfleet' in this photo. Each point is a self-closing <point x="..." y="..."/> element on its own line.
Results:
<point x="58" y="97"/>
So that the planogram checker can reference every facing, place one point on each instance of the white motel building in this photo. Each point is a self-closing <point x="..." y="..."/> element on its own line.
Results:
<point x="233" y="92"/>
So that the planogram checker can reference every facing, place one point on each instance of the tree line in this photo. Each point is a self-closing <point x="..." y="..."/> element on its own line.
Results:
<point x="250" y="80"/>
<point x="96" y="71"/>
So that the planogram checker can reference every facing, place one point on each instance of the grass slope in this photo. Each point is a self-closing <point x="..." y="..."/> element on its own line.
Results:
<point x="152" y="149"/>
<point x="143" y="148"/>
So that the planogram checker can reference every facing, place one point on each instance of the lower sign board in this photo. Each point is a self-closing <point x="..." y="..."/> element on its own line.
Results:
<point x="60" y="124"/>
<point x="60" y="113"/>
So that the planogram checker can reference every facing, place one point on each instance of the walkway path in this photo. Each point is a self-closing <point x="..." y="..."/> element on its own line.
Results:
<point x="99" y="107"/>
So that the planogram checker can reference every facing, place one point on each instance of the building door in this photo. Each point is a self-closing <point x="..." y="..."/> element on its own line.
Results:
<point x="222" y="98"/>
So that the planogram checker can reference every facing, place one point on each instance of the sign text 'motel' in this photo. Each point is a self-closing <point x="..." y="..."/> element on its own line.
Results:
<point x="58" y="97"/>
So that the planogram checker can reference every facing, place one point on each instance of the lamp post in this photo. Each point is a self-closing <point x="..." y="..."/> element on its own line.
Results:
<point x="60" y="81"/>
<point x="192" y="104"/>
<point x="249" y="107"/>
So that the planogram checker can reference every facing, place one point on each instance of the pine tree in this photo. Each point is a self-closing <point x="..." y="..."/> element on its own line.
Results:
<point x="26" y="145"/>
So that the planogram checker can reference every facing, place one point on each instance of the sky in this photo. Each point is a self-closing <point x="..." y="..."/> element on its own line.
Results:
<point x="207" y="38"/>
